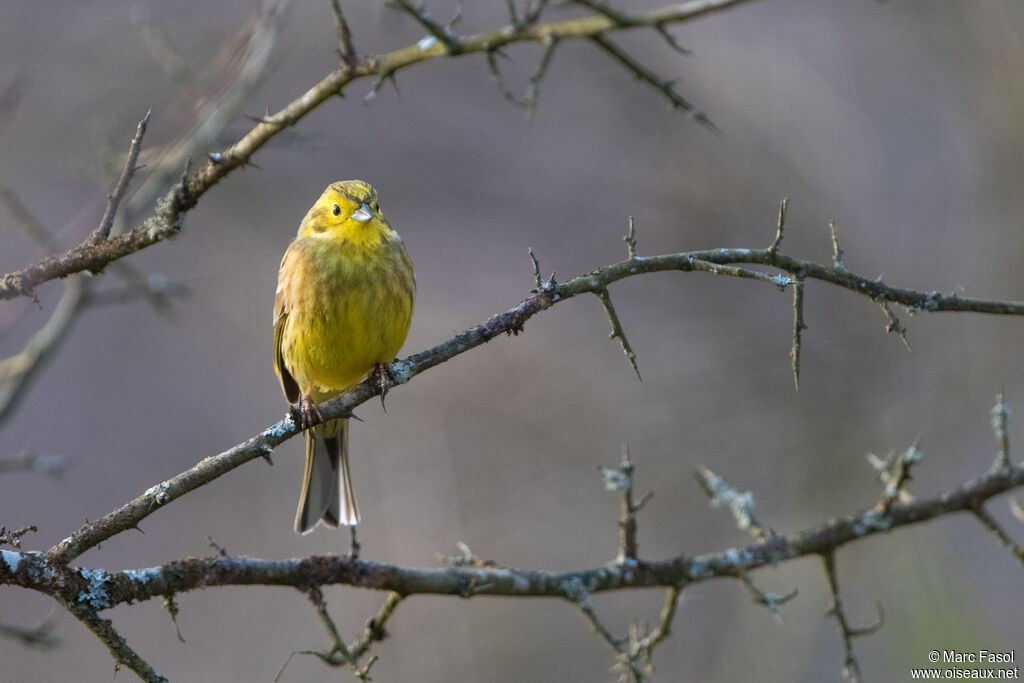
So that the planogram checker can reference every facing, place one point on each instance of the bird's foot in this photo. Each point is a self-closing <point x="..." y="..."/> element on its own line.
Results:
<point x="306" y="414"/>
<point x="385" y="379"/>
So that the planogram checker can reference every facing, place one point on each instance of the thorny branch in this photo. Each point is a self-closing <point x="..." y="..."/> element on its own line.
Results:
<point x="166" y="222"/>
<point x="87" y="591"/>
<point x="512" y="322"/>
<point x="663" y="85"/>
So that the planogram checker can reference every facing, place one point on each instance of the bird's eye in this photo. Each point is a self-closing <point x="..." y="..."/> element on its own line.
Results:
<point x="336" y="210"/>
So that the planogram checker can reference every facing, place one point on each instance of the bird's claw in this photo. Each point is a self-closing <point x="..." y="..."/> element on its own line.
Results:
<point x="385" y="379"/>
<point x="306" y="414"/>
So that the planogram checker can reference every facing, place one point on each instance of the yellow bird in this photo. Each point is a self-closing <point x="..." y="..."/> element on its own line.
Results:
<point x="344" y="301"/>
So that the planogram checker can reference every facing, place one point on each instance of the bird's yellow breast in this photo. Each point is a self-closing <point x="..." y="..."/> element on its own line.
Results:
<point x="348" y="304"/>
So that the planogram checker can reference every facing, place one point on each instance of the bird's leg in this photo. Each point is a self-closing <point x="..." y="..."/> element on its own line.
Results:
<point x="385" y="378"/>
<point x="308" y="414"/>
<point x="353" y="548"/>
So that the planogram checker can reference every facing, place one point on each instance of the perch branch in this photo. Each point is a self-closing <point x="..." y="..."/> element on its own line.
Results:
<point x="509" y="322"/>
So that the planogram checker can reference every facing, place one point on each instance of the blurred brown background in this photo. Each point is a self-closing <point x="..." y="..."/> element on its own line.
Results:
<point x="900" y="120"/>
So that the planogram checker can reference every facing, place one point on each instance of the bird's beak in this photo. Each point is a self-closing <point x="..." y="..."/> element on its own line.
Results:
<point x="362" y="214"/>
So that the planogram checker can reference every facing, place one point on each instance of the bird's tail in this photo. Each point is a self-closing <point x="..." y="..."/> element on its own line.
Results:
<point x="327" y="481"/>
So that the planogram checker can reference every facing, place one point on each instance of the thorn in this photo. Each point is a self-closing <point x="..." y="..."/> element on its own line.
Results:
<point x="837" y="252"/>
<point x="536" y="271"/>
<point x="774" y="246"/>
<point x="798" y="327"/>
<point x="630" y="240"/>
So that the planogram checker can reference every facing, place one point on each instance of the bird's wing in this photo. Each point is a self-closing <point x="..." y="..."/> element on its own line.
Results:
<point x="288" y="383"/>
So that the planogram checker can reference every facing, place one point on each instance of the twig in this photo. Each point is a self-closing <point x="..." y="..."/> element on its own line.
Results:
<point x="894" y="474"/>
<point x="542" y="284"/>
<point x="664" y="86"/>
<point x="442" y="32"/>
<point x="851" y="670"/>
<point x="740" y="504"/>
<point x="346" y="48"/>
<point x="316" y="596"/>
<point x="798" y="329"/>
<point x="702" y="265"/>
<point x="990" y="523"/>
<point x="123" y="654"/>
<point x="621" y="479"/>
<point x="374" y="630"/>
<point x="576" y="593"/>
<point x="534" y="8"/>
<point x="630" y="240"/>
<point x="670" y="39"/>
<point x="102" y="232"/>
<point x="774" y="246"/>
<point x="171" y="605"/>
<point x="767" y="599"/>
<point x="529" y="101"/>
<point x="1016" y="510"/>
<point x="339" y="653"/>
<point x="18" y="371"/>
<point x="894" y="325"/>
<point x="837" y="252"/>
<point x="668" y="614"/>
<point x="617" y="331"/>
<point x="1001" y="426"/>
<point x="533" y="92"/>
<point x="13" y="538"/>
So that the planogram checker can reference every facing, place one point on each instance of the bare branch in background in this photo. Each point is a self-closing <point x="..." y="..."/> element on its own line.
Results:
<point x="51" y="464"/>
<point x="663" y="85"/>
<point x="167" y="220"/>
<point x="346" y="48"/>
<point x="10" y="97"/>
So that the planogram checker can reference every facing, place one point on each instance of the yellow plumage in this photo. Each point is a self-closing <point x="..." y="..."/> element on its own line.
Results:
<point x="344" y="301"/>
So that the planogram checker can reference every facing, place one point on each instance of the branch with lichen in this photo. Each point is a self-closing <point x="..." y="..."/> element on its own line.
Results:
<point x="86" y="592"/>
